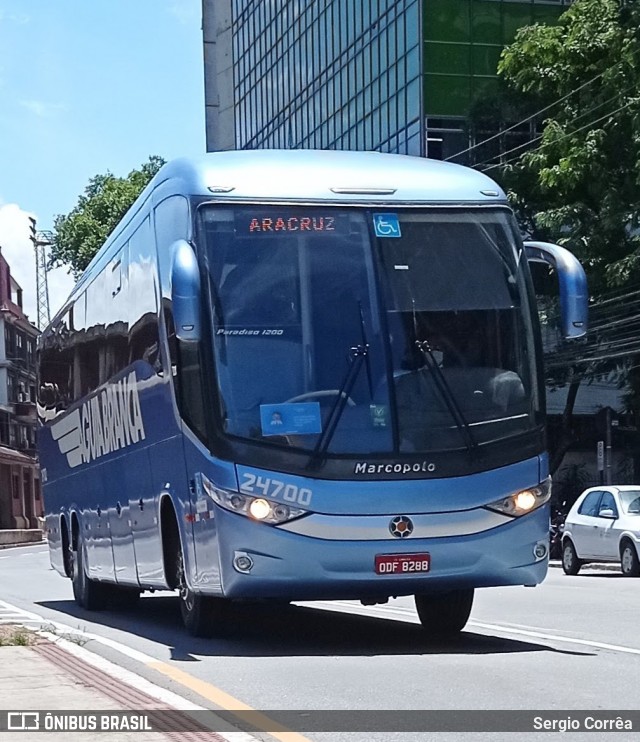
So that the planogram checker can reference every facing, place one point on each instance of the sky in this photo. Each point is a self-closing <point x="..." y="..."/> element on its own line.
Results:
<point x="86" y="87"/>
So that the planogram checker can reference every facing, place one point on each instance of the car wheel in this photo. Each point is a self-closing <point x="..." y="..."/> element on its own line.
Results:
<point x="570" y="562"/>
<point x="629" y="560"/>
<point x="444" y="614"/>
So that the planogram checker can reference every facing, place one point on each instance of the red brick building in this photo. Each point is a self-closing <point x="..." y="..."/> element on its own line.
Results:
<point x="20" y="492"/>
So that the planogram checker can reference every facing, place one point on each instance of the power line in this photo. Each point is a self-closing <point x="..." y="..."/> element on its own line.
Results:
<point x="565" y="135"/>
<point x="537" y="113"/>
<point x="529" y="118"/>
<point x="618" y="95"/>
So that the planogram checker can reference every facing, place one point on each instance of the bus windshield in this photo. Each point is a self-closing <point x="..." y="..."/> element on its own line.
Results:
<point x="412" y="329"/>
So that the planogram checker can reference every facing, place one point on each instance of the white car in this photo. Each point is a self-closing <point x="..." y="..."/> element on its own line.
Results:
<point x="603" y="526"/>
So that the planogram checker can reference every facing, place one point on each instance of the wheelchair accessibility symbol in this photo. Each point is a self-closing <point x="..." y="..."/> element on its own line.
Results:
<point x="386" y="225"/>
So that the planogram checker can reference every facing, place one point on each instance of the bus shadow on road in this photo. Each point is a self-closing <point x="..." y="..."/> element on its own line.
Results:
<point x="262" y="630"/>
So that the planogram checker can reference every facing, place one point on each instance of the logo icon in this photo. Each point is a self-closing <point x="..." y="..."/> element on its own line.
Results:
<point x="401" y="526"/>
<point x="23" y="721"/>
<point x="108" y="421"/>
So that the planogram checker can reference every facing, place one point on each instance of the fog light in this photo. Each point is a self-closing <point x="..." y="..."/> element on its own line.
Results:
<point x="243" y="562"/>
<point x="281" y="512"/>
<point x="540" y="550"/>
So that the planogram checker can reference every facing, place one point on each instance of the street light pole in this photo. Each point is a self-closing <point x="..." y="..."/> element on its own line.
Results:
<point x="40" y="242"/>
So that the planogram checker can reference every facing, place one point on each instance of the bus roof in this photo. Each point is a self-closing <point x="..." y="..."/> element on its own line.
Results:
<point x="308" y="176"/>
<point x="311" y="175"/>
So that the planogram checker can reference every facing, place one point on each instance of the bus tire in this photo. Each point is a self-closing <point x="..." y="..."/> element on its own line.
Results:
<point x="89" y="594"/>
<point x="202" y="615"/>
<point x="444" y="614"/>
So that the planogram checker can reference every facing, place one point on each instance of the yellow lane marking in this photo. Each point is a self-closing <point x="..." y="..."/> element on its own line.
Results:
<point x="227" y="702"/>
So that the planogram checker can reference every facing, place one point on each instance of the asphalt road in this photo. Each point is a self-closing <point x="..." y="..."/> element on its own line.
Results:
<point x="570" y="644"/>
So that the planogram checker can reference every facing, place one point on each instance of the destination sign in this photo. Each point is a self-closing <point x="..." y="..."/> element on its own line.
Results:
<point x="277" y="222"/>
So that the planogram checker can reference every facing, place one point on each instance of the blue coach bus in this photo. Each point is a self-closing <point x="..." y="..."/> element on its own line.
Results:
<point x="299" y="375"/>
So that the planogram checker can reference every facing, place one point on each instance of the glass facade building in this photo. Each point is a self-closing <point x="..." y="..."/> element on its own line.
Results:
<point x="462" y="42"/>
<point x="344" y="74"/>
<point x="389" y="75"/>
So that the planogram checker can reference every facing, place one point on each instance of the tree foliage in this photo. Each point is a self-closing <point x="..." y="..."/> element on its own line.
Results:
<point x="79" y="235"/>
<point x="578" y="182"/>
<point x="580" y="185"/>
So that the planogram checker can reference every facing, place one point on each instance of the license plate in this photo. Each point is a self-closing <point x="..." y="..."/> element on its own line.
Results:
<point x="402" y="564"/>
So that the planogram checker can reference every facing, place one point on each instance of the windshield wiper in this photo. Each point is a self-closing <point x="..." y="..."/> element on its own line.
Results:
<point x="358" y="355"/>
<point x="445" y="391"/>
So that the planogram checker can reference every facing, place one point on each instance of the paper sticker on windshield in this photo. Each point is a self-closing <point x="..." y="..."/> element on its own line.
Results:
<point x="378" y="415"/>
<point x="386" y="225"/>
<point x="290" y="418"/>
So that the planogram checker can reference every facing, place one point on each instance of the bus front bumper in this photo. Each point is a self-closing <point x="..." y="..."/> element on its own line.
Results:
<point x="289" y="566"/>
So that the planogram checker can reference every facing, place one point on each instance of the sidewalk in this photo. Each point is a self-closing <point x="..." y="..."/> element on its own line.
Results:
<point x="20" y="537"/>
<point x="44" y="677"/>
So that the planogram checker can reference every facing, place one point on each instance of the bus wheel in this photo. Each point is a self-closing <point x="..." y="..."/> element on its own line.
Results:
<point x="444" y="614"/>
<point x="202" y="615"/>
<point x="88" y="593"/>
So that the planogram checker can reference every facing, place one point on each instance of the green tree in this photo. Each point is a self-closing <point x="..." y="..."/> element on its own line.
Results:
<point x="579" y="182"/>
<point x="580" y="185"/>
<point x="81" y="233"/>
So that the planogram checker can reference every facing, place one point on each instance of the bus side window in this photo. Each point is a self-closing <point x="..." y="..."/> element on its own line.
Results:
<point x="56" y="368"/>
<point x="116" y="300"/>
<point x="144" y="340"/>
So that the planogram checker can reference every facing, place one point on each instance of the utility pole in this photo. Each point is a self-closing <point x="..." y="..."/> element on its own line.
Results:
<point x="40" y="242"/>
<point x="604" y="420"/>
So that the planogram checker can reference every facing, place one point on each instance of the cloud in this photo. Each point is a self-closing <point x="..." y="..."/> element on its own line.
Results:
<point x="19" y="19"/>
<point x="18" y="251"/>
<point x="42" y="109"/>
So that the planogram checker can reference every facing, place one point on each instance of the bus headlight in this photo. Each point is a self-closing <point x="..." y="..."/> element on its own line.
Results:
<point x="256" y="508"/>
<point x="523" y="502"/>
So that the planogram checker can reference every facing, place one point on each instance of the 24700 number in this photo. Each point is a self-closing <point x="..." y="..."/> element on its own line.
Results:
<point x="276" y="489"/>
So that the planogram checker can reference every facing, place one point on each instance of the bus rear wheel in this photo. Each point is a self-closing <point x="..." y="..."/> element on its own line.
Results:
<point x="202" y="615"/>
<point x="88" y="593"/>
<point x="444" y="614"/>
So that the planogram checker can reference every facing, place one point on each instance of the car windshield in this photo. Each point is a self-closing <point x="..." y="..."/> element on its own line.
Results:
<point x="630" y="501"/>
<point x="419" y="322"/>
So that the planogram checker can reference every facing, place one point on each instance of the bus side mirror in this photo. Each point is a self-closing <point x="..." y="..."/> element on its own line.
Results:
<point x="572" y="281"/>
<point x="185" y="292"/>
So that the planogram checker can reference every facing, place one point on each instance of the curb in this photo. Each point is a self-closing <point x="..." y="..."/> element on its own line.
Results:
<point x="23" y="543"/>
<point x="19" y="536"/>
